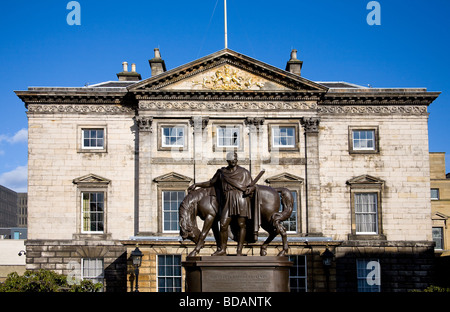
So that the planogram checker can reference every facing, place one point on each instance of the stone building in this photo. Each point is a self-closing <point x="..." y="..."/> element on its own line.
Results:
<point x="8" y="207"/>
<point x="110" y="163"/>
<point x="440" y="202"/>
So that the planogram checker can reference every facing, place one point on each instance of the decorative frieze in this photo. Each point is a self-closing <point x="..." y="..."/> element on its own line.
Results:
<point x="79" y="109"/>
<point x="372" y="110"/>
<point x="200" y="105"/>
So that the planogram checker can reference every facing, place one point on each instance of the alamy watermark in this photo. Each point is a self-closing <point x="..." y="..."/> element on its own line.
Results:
<point x="373" y="276"/>
<point x="374" y="16"/>
<point x="74" y="276"/>
<point x="74" y="16"/>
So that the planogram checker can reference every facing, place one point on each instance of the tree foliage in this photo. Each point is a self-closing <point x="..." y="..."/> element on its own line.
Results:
<point x="45" y="281"/>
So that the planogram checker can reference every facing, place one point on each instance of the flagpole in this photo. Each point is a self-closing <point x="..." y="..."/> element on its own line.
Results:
<point x="225" y="17"/>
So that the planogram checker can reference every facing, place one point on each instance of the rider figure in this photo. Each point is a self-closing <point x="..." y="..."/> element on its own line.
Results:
<point x="236" y="183"/>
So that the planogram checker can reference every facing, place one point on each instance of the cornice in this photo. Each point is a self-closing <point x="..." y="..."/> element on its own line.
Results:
<point x="202" y="95"/>
<point x="379" y="97"/>
<point x="65" y="96"/>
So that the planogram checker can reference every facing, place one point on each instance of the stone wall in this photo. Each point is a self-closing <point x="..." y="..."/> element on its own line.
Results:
<point x="64" y="257"/>
<point x="402" y="163"/>
<point x="55" y="160"/>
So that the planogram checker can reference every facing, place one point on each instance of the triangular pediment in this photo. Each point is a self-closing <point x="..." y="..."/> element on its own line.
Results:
<point x="365" y="179"/>
<point x="91" y="179"/>
<point x="284" y="178"/>
<point x="172" y="177"/>
<point x="227" y="70"/>
<point x="439" y="216"/>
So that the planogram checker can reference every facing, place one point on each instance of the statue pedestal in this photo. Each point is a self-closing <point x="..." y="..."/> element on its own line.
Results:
<point x="237" y="274"/>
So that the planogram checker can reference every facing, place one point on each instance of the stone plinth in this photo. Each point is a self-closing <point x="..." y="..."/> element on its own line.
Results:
<point x="237" y="274"/>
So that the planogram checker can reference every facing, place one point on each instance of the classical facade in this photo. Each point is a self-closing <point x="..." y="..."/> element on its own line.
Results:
<point x="110" y="163"/>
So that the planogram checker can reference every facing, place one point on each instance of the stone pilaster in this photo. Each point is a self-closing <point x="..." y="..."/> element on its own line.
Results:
<point x="312" y="181"/>
<point x="199" y="124"/>
<point x="143" y="211"/>
<point x="255" y="143"/>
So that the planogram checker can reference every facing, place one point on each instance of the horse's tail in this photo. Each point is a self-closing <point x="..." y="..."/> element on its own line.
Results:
<point x="188" y="224"/>
<point x="287" y="202"/>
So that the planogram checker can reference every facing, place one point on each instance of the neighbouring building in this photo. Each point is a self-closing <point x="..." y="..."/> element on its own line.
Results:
<point x="8" y="207"/>
<point x="110" y="163"/>
<point x="440" y="202"/>
<point x="22" y="208"/>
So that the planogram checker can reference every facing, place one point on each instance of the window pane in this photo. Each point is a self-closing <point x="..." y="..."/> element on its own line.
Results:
<point x="438" y="238"/>
<point x="171" y="204"/>
<point x="283" y="136"/>
<point x="169" y="273"/>
<point x="93" y="138"/>
<point x="92" y="212"/>
<point x="227" y="137"/>
<point x="297" y="274"/>
<point x="363" y="139"/>
<point x="173" y="136"/>
<point x="368" y="273"/>
<point x="435" y="194"/>
<point x="366" y="212"/>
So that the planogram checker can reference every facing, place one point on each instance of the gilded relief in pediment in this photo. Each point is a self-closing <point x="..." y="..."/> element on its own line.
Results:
<point x="225" y="78"/>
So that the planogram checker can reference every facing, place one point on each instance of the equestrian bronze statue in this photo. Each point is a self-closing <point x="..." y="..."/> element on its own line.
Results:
<point x="233" y="205"/>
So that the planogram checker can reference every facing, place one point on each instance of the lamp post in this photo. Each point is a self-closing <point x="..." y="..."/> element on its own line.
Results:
<point x="136" y="258"/>
<point x="327" y="259"/>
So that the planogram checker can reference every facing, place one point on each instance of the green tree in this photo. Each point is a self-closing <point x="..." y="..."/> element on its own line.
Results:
<point x="45" y="281"/>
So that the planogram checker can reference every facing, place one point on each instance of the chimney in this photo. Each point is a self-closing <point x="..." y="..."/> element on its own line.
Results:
<point x="157" y="64"/>
<point x="294" y="65"/>
<point x="125" y="75"/>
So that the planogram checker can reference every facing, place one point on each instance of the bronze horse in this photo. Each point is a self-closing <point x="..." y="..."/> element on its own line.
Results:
<point x="203" y="203"/>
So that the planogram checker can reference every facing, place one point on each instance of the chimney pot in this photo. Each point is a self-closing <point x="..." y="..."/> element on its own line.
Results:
<point x="157" y="64"/>
<point x="293" y="54"/>
<point x="125" y="75"/>
<point x="294" y="65"/>
<point x="157" y="53"/>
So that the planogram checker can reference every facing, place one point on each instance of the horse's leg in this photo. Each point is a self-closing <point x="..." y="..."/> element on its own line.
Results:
<point x="216" y="232"/>
<point x="201" y="240"/>
<point x="282" y="231"/>
<point x="263" y="250"/>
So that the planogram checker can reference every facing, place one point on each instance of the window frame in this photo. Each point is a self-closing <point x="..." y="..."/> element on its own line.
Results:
<point x="438" y="193"/>
<point x="351" y="147"/>
<point x="96" y="191"/>
<point x="441" y="237"/>
<point x="295" y="216"/>
<point x="163" y="212"/>
<point x="232" y="129"/>
<point x="89" y="149"/>
<point x="357" y="213"/>
<point x="229" y="125"/>
<point x="173" y="276"/>
<point x="291" y="148"/>
<point x="162" y="146"/>
<point x="366" y="184"/>
<point x="371" y="288"/>
<point x="293" y="184"/>
<point x="297" y="267"/>
<point x="96" y="279"/>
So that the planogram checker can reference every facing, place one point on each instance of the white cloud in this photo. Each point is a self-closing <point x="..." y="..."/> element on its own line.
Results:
<point x="15" y="179"/>
<point x="20" y="136"/>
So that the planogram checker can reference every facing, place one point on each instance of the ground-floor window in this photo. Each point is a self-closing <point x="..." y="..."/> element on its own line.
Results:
<point x="169" y="273"/>
<point x="92" y="269"/>
<point x="368" y="275"/>
<point x="297" y="274"/>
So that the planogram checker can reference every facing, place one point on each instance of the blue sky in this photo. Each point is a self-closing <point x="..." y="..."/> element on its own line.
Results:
<point x="38" y="48"/>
